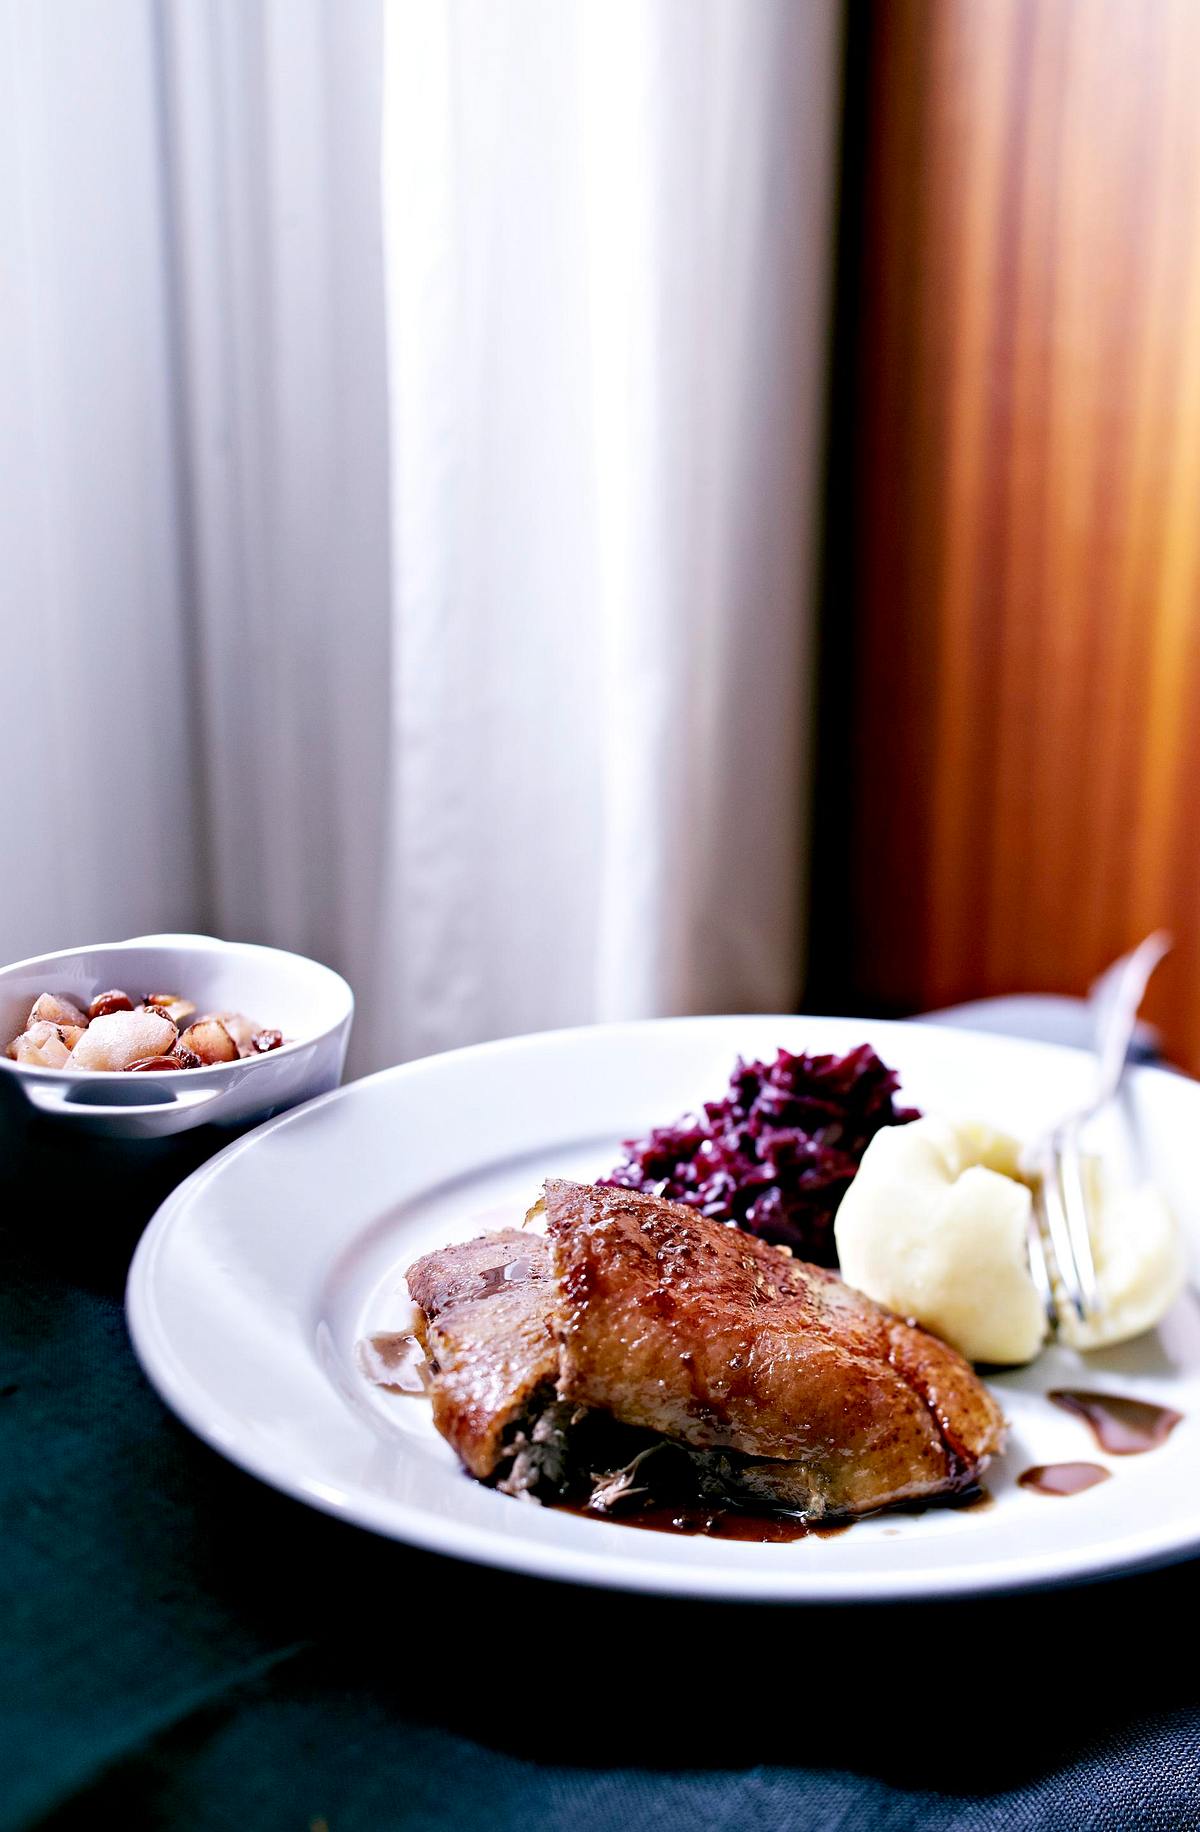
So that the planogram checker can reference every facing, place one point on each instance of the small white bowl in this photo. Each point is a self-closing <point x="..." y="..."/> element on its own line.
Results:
<point x="309" y="1003"/>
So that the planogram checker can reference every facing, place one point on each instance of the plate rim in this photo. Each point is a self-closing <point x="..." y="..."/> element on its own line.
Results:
<point x="408" y="1524"/>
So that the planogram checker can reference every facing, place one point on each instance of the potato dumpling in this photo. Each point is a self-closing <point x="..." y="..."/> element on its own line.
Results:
<point x="1141" y="1265"/>
<point x="936" y="1223"/>
<point x="934" y="1226"/>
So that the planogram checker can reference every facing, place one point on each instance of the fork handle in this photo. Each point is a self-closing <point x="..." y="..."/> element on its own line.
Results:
<point x="1120" y="1019"/>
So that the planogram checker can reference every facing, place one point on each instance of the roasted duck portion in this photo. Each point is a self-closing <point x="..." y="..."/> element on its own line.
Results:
<point x="638" y="1326"/>
<point x="485" y="1323"/>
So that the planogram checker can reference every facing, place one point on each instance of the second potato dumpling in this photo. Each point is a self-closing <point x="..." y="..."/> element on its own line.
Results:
<point x="936" y="1226"/>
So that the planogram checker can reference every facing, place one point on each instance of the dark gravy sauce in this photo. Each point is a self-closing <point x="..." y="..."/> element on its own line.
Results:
<point x="393" y="1362"/>
<point x="1062" y="1478"/>
<point x="699" y="1520"/>
<point x="1122" y="1427"/>
<point x="694" y="1521"/>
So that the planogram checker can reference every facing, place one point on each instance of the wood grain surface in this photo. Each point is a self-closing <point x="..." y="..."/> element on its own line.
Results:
<point x="1008" y="787"/>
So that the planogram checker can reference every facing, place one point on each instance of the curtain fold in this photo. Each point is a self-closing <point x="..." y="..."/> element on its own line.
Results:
<point x="272" y="135"/>
<point x="96" y="809"/>
<point x="607" y="234"/>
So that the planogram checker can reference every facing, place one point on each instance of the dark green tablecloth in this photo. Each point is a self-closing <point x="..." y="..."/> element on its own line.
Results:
<point x="185" y="1648"/>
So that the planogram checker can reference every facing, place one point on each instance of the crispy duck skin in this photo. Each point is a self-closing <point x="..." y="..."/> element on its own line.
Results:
<point x="786" y="1388"/>
<point x="686" y="1327"/>
<point x="486" y="1309"/>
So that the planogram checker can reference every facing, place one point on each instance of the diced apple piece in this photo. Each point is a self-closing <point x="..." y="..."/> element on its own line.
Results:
<point x="242" y="1029"/>
<point x="210" y="1040"/>
<point x="42" y="1046"/>
<point x="50" y="1009"/>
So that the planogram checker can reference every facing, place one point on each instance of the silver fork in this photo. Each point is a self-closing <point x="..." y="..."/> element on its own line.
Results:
<point x="1060" y="1239"/>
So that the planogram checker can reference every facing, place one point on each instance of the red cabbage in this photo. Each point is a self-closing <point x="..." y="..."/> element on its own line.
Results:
<point x="777" y="1155"/>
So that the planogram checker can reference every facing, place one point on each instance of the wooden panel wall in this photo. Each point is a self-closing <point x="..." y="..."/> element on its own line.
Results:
<point x="1010" y="777"/>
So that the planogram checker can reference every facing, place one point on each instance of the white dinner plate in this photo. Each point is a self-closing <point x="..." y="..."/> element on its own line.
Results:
<point x="261" y="1273"/>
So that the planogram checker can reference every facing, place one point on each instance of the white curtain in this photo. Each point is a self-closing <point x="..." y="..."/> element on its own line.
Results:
<point x="422" y="572"/>
<point x="96" y="804"/>
<point x="608" y="231"/>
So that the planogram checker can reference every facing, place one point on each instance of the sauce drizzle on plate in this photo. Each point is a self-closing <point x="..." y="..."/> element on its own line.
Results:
<point x="393" y="1361"/>
<point x="1122" y="1427"/>
<point x="1062" y="1478"/>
